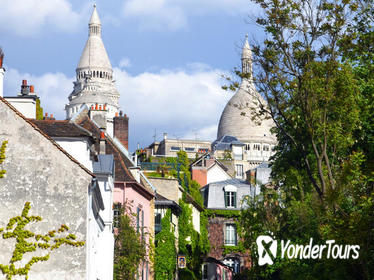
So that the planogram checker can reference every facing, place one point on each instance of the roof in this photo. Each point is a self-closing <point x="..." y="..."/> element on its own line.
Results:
<point x="246" y="53"/>
<point x="121" y="172"/>
<point x="104" y="164"/>
<point x="225" y="142"/>
<point x="61" y="128"/>
<point x="94" y="54"/>
<point x="46" y="136"/>
<point x="163" y="201"/>
<point x="95" y="17"/>
<point x="121" y="161"/>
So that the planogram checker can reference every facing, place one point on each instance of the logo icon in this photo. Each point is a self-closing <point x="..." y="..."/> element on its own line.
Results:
<point x="266" y="249"/>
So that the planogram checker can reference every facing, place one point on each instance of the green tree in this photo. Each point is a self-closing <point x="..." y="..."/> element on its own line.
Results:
<point x="165" y="252"/>
<point x="316" y="81"/>
<point x="130" y="249"/>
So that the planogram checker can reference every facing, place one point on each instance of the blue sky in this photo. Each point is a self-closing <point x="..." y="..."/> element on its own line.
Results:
<point x="167" y="56"/>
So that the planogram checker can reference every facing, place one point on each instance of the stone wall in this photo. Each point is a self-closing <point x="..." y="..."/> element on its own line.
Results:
<point x="56" y="187"/>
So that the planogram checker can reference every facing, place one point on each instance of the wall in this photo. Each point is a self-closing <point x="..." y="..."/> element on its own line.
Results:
<point x="56" y="187"/>
<point x="27" y="106"/>
<point x="78" y="148"/>
<point x="168" y="188"/>
<point x="216" y="174"/>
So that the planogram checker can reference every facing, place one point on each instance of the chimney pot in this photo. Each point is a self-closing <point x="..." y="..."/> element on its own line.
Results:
<point x="46" y="114"/>
<point x="100" y="107"/>
<point x="96" y="107"/>
<point x="120" y="113"/>
<point x="116" y="114"/>
<point x="102" y="135"/>
<point x="24" y="82"/>
<point x="31" y="89"/>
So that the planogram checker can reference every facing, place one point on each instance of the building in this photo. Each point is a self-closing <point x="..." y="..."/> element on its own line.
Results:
<point x="252" y="141"/>
<point x="59" y="189"/>
<point x="219" y="197"/>
<point x="207" y="169"/>
<point x="79" y="143"/>
<point x="94" y="85"/>
<point x="170" y="147"/>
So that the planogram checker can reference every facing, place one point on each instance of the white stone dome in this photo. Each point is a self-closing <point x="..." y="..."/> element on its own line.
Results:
<point x="237" y="117"/>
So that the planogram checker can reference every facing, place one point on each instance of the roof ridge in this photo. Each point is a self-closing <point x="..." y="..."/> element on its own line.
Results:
<point x="46" y="136"/>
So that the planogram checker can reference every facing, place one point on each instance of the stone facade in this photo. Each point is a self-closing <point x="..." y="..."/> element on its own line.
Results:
<point x="55" y="184"/>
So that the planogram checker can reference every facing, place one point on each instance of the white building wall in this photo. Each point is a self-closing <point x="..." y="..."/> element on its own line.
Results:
<point x="216" y="174"/>
<point x="78" y="148"/>
<point x="27" y="106"/>
<point x="195" y="218"/>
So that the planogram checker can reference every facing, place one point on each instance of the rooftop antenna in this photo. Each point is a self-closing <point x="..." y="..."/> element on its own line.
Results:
<point x="155" y="135"/>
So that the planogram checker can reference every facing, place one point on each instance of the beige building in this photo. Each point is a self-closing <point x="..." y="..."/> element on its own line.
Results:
<point x="170" y="147"/>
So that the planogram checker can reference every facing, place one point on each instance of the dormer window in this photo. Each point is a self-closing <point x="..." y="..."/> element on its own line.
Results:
<point x="266" y="148"/>
<point x="257" y="147"/>
<point x="230" y="196"/>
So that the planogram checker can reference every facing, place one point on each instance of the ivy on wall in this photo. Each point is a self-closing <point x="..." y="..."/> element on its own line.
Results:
<point x="39" y="110"/>
<point x="2" y="157"/>
<point x="165" y="253"/>
<point x="28" y="242"/>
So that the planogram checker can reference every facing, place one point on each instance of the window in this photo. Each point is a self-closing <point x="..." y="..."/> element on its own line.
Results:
<point x="230" y="235"/>
<point x="116" y="214"/>
<point x="174" y="148"/>
<point x="239" y="171"/>
<point x="247" y="147"/>
<point x="205" y="271"/>
<point x="157" y="222"/>
<point x="138" y="210"/>
<point x="234" y="263"/>
<point x="266" y="148"/>
<point x="230" y="199"/>
<point x="257" y="147"/>
<point x="189" y="149"/>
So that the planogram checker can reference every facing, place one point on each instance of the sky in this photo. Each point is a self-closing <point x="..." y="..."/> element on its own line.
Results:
<point x="168" y="57"/>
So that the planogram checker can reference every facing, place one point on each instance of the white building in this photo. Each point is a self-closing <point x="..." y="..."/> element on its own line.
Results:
<point x="249" y="139"/>
<point x="94" y="85"/>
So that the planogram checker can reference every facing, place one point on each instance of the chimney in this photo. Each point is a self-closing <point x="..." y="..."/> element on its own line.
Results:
<point x="25" y="89"/>
<point x="2" y="71"/>
<point x="102" y="143"/>
<point x="121" y="129"/>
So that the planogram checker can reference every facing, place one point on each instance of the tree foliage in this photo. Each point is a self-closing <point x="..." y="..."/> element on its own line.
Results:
<point x="130" y="249"/>
<point x="165" y="253"/>
<point x="314" y="71"/>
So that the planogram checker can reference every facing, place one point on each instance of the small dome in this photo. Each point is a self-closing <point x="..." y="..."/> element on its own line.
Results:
<point x="236" y="119"/>
<point x="94" y="55"/>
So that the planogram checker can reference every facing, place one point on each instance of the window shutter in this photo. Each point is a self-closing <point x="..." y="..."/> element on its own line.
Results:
<point x="234" y="199"/>
<point x="226" y="199"/>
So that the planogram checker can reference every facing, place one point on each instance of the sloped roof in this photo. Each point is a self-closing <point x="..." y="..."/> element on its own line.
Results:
<point x="64" y="128"/>
<point x="46" y="136"/>
<point x="104" y="164"/>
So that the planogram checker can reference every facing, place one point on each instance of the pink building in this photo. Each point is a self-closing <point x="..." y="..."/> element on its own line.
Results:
<point x="139" y="199"/>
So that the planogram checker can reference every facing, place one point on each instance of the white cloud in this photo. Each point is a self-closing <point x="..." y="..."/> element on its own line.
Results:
<point x="27" y="17"/>
<point x="171" y="14"/>
<point x="52" y="88"/>
<point x="184" y="102"/>
<point x="124" y="63"/>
